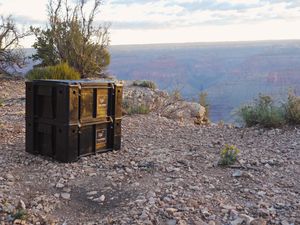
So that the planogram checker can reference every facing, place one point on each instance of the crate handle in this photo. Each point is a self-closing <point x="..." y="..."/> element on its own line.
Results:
<point x="110" y="119"/>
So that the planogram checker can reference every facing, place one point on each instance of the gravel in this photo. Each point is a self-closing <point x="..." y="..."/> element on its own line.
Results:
<point x="165" y="173"/>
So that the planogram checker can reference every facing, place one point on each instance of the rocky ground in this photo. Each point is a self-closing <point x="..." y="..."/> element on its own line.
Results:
<point x="166" y="173"/>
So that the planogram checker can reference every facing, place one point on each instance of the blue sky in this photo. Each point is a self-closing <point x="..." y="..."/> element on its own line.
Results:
<point x="171" y="21"/>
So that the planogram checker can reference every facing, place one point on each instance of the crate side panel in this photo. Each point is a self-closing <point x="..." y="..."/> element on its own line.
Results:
<point x="73" y="151"/>
<point x="118" y="101"/>
<point x="66" y="143"/>
<point x="74" y="104"/>
<point x="103" y="136"/>
<point x="29" y="93"/>
<point x="102" y="103"/>
<point x="44" y="139"/>
<point x="118" y="126"/>
<point x="117" y="142"/>
<point x="87" y="140"/>
<point x="61" y="103"/>
<point x="43" y="104"/>
<point x="29" y="137"/>
<point x="86" y="104"/>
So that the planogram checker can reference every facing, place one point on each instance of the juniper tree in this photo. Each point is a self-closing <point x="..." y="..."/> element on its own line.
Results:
<point x="71" y="36"/>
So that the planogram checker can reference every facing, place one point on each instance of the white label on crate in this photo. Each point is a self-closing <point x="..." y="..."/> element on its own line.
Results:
<point x="101" y="136"/>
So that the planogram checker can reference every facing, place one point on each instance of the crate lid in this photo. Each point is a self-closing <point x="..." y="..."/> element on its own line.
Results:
<point x="82" y="82"/>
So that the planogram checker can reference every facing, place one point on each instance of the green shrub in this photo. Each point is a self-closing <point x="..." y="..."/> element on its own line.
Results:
<point x="176" y="95"/>
<point x="292" y="109"/>
<point x="1" y="102"/>
<point x="20" y="214"/>
<point x="262" y="112"/>
<point x="204" y="103"/>
<point x="228" y="155"/>
<point x="145" y="83"/>
<point x="131" y="108"/>
<point x="138" y="109"/>
<point x="58" y="72"/>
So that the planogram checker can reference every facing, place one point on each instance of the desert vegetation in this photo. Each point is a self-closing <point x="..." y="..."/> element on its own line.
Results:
<point x="1" y="102"/>
<point x="262" y="111"/>
<point x="266" y="112"/>
<point x="292" y="109"/>
<point x="228" y="155"/>
<point x="71" y="36"/>
<point x="130" y="109"/>
<point x="145" y="83"/>
<point x="203" y="102"/>
<point x="59" y="72"/>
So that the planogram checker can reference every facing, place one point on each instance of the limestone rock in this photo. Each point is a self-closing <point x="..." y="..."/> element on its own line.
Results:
<point x="66" y="196"/>
<point x="258" y="221"/>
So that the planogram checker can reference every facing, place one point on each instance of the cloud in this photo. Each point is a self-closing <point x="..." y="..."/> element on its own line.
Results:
<point x="169" y="14"/>
<point x="128" y="2"/>
<point x="215" y="5"/>
<point x="133" y="25"/>
<point x="191" y="5"/>
<point x="25" y="12"/>
<point x="147" y="14"/>
<point x="283" y="1"/>
<point x="26" y="20"/>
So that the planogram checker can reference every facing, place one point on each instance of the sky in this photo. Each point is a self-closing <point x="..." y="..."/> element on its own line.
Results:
<point x="178" y="21"/>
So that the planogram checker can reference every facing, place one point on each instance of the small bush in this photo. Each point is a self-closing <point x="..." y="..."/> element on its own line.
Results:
<point x="292" y="109"/>
<point x="228" y="155"/>
<point x="1" y="102"/>
<point x="131" y="108"/>
<point x="145" y="83"/>
<point x="58" y="72"/>
<point x="203" y="101"/>
<point x="176" y="95"/>
<point x="263" y="112"/>
<point x="138" y="109"/>
<point x="20" y="214"/>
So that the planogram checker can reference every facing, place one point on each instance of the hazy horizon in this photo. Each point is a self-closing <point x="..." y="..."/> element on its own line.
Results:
<point x="232" y="73"/>
<point x="204" y="43"/>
